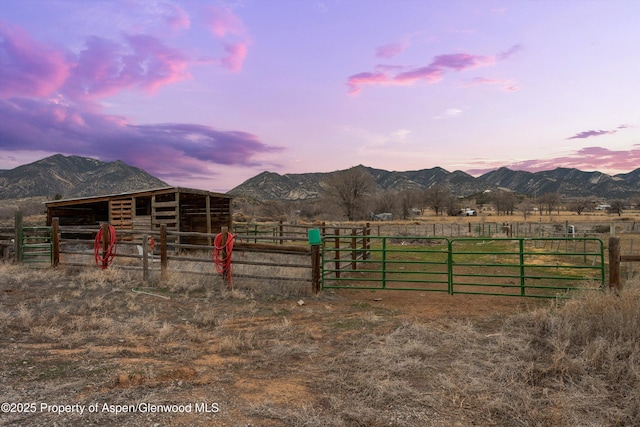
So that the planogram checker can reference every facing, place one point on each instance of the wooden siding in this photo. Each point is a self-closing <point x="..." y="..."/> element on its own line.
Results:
<point x="177" y="208"/>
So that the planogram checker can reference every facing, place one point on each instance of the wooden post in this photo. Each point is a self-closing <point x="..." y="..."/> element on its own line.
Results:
<point x="315" y="268"/>
<point x="17" y="242"/>
<point x="145" y="258"/>
<point x="105" y="244"/>
<point x="208" y="217"/>
<point x="163" y="250"/>
<point x="614" y="264"/>
<point x="281" y="232"/>
<point x="55" y="228"/>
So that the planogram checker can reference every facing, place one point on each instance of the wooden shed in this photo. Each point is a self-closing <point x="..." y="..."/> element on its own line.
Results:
<point x="180" y="209"/>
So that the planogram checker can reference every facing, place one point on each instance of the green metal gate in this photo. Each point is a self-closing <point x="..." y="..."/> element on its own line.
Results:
<point x="36" y="245"/>
<point x="533" y="267"/>
<point x="536" y="267"/>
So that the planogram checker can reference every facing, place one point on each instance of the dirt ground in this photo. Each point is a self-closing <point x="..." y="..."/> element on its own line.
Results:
<point x="91" y="348"/>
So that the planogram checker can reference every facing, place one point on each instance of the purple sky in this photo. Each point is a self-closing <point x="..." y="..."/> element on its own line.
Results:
<point x="207" y="94"/>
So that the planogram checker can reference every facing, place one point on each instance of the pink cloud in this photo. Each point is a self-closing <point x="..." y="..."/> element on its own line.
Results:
<point x="590" y="133"/>
<point x="29" y="68"/>
<point x="47" y="102"/>
<point x="431" y="73"/>
<point x="356" y="81"/>
<point x="508" y="85"/>
<point x="30" y="125"/>
<point x="509" y="52"/>
<point x="390" y="50"/>
<point x="222" y="22"/>
<point x="236" y="54"/>
<point x="105" y="68"/>
<point x="462" y="61"/>
<point x="102" y="68"/>
<point x="177" y="18"/>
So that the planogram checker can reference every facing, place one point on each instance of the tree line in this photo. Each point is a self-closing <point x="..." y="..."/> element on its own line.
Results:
<point x="353" y="195"/>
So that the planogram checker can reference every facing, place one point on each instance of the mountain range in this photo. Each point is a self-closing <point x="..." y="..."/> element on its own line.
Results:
<point x="73" y="176"/>
<point x="571" y="183"/>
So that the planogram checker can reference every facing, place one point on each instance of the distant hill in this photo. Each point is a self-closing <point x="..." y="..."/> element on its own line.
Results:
<point x="571" y="183"/>
<point x="73" y="176"/>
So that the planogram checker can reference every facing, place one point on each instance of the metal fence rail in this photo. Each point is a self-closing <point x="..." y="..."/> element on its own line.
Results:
<point x="535" y="267"/>
<point x="401" y="263"/>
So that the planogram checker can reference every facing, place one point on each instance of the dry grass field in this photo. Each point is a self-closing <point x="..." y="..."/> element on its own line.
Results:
<point x="93" y="347"/>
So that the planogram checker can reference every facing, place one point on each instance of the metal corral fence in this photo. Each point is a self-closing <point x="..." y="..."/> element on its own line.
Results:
<point x="485" y="228"/>
<point x="279" y="233"/>
<point x="536" y="267"/>
<point x="352" y="257"/>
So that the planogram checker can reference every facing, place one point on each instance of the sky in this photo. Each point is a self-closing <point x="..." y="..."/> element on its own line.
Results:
<point x="207" y="94"/>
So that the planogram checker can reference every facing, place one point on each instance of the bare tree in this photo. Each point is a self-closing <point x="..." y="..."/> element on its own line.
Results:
<point x="548" y="202"/>
<point x="385" y="201"/>
<point x="505" y="202"/>
<point x="525" y="207"/>
<point x="452" y="205"/>
<point x="408" y="200"/>
<point x="436" y="197"/>
<point x="617" y="207"/>
<point x="578" y="206"/>
<point x="349" y="189"/>
<point x="274" y="210"/>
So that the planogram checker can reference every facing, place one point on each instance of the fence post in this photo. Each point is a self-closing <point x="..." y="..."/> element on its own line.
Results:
<point x="55" y="228"/>
<point x="104" y="245"/>
<point x="614" y="264"/>
<point x="315" y="268"/>
<point x="17" y="242"/>
<point x="281" y="232"/>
